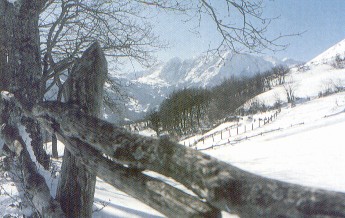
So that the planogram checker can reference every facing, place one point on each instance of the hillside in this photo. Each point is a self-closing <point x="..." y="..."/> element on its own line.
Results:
<point x="330" y="54"/>
<point x="303" y="144"/>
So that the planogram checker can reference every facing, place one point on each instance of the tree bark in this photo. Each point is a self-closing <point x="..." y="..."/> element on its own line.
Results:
<point x="85" y="89"/>
<point x="20" y="67"/>
<point x="153" y="192"/>
<point x="55" y="153"/>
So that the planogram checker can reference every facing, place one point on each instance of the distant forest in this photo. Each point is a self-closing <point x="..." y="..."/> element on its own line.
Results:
<point x="191" y="109"/>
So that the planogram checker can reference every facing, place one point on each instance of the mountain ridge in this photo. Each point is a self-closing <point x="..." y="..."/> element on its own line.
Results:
<point x="205" y="71"/>
<point x="150" y="87"/>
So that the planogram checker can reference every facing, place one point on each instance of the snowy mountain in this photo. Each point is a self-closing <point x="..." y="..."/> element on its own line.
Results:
<point x="208" y="71"/>
<point x="149" y="88"/>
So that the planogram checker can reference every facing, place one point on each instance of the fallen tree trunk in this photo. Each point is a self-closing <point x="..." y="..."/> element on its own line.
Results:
<point x="157" y="194"/>
<point x="222" y="185"/>
<point x="35" y="184"/>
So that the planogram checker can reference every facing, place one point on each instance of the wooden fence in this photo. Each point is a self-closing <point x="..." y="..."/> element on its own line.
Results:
<point x="119" y="158"/>
<point x="231" y="131"/>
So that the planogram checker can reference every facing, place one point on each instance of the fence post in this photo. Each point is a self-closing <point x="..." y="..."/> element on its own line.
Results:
<point x="85" y="88"/>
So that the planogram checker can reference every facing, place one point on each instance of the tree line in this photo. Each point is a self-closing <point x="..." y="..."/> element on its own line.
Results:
<point x="191" y="109"/>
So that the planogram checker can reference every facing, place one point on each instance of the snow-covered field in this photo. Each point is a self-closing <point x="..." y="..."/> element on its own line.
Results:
<point x="308" y="149"/>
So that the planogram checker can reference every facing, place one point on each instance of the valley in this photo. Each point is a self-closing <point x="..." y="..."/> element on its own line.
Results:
<point x="149" y="88"/>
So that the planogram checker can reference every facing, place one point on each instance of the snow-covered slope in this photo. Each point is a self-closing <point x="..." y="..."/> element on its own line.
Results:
<point x="308" y="84"/>
<point x="308" y="148"/>
<point x="330" y="54"/>
<point x="304" y="144"/>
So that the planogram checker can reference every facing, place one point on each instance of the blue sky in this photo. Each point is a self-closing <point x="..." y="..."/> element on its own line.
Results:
<point x="323" y="24"/>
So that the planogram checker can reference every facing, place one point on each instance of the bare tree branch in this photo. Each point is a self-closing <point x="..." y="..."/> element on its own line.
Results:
<point x="124" y="30"/>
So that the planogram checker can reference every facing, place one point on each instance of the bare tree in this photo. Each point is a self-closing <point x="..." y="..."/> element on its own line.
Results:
<point x="123" y="28"/>
<point x="290" y="87"/>
<point x="280" y="72"/>
<point x="68" y="27"/>
<point x="242" y="26"/>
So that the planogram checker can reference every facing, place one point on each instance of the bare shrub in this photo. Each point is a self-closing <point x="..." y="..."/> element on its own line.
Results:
<point x="339" y="62"/>
<point x="331" y="86"/>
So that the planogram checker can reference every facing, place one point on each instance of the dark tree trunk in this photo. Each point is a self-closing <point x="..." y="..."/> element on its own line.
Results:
<point x="55" y="153"/>
<point x="85" y="88"/>
<point x="20" y="67"/>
